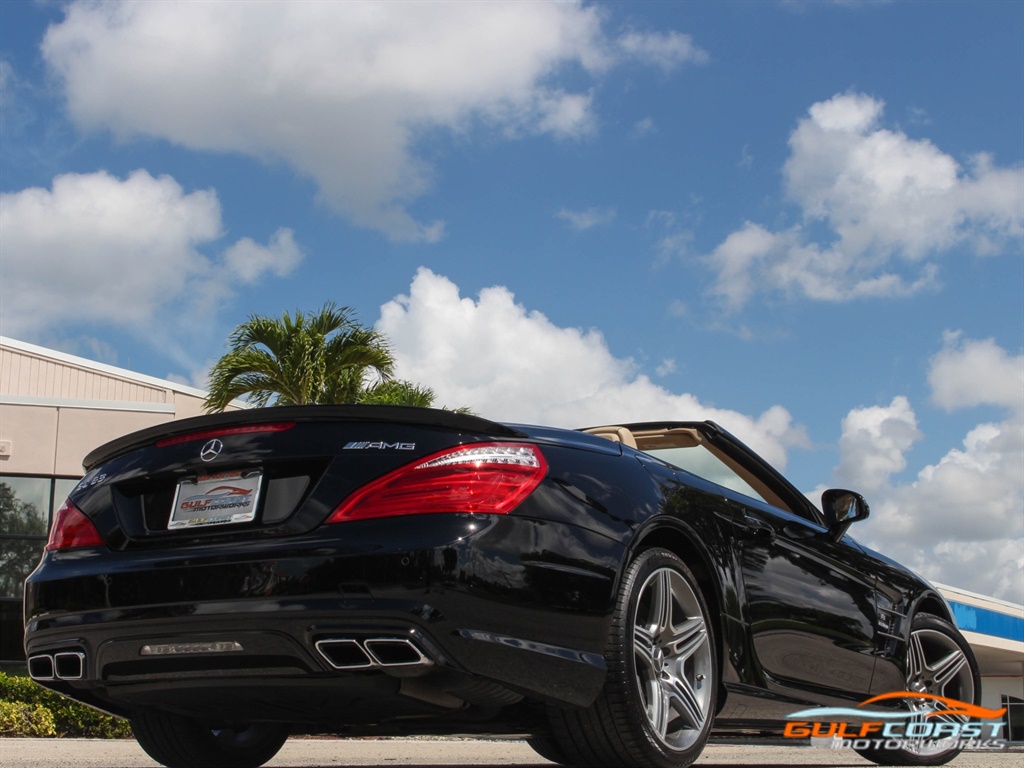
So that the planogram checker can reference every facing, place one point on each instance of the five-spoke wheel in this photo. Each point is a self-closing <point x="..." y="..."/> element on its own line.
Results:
<point x="659" y="698"/>
<point x="673" y="655"/>
<point x="939" y="663"/>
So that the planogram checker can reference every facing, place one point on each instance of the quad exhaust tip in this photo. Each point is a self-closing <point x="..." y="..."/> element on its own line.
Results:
<point x="372" y="653"/>
<point x="66" y="665"/>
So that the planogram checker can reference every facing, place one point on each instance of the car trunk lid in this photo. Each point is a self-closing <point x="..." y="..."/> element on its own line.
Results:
<point x="258" y="473"/>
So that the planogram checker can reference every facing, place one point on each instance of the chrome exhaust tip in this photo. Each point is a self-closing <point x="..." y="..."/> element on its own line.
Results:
<point x="69" y="665"/>
<point x="395" y="652"/>
<point x="372" y="653"/>
<point x="40" y="667"/>
<point x="65" y="665"/>
<point x="344" y="653"/>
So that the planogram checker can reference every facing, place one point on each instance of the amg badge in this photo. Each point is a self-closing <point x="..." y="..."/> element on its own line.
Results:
<point x="380" y="446"/>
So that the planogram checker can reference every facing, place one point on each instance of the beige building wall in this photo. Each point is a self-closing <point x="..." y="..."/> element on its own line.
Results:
<point x="55" y="407"/>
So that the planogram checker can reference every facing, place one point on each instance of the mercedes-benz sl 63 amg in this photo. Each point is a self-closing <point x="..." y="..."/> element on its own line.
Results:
<point x="612" y="594"/>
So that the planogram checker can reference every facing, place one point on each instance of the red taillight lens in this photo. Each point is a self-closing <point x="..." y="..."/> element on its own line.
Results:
<point x="72" y="529"/>
<point x="209" y="434"/>
<point x="485" y="478"/>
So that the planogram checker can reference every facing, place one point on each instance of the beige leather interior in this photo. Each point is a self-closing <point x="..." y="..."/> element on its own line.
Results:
<point x="615" y="434"/>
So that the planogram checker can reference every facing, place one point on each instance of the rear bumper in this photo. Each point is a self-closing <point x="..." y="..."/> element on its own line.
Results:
<point x="459" y="611"/>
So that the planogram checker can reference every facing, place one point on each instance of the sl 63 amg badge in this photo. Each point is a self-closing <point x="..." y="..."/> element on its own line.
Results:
<point x="381" y="446"/>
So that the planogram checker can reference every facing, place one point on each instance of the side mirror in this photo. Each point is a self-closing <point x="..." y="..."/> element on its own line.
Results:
<point x="842" y="509"/>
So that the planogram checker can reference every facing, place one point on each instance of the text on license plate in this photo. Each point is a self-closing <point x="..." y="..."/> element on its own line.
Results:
<point x="221" y="499"/>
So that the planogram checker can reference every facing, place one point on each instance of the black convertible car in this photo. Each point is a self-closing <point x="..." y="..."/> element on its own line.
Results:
<point x="613" y="594"/>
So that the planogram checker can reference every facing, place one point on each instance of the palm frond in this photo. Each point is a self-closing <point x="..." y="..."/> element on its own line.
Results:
<point x="317" y="357"/>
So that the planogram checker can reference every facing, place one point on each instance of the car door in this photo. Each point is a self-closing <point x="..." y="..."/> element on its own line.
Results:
<point x="807" y="599"/>
<point x="809" y="602"/>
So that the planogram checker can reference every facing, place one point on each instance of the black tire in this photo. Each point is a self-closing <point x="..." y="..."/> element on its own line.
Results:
<point x="548" y="748"/>
<point x="658" y="702"/>
<point x="180" y="742"/>
<point x="939" y="662"/>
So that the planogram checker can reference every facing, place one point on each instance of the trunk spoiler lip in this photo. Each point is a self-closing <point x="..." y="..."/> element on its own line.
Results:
<point x="396" y="414"/>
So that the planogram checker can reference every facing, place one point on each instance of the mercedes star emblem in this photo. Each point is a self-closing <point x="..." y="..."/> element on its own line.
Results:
<point x="211" y="450"/>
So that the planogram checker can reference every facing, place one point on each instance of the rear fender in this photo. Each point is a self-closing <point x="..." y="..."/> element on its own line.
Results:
<point x="678" y="538"/>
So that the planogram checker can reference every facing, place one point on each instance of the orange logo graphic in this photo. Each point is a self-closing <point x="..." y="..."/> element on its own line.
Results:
<point x="953" y="706"/>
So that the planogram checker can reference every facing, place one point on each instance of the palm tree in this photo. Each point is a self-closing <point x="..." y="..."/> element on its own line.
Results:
<point x="397" y="392"/>
<point x="325" y="357"/>
<point x="402" y="392"/>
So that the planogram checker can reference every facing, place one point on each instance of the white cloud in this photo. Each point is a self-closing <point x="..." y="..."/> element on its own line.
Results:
<point x="674" y="242"/>
<point x="967" y="373"/>
<point x="665" y="50"/>
<point x="586" y="219"/>
<point x="740" y="261"/>
<point x="674" y="246"/>
<point x="248" y="260"/>
<point x="662" y="220"/>
<point x="889" y="202"/>
<point x="873" y="444"/>
<point x="746" y="159"/>
<point x="918" y="116"/>
<point x="341" y="91"/>
<point x="961" y="519"/>
<point x="643" y="127"/>
<point x="96" y="249"/>
<point x="101" y="248"/>
<point x="668" y="365"/>
<point x="883" y="192"/>
<point x="513" y="364"/>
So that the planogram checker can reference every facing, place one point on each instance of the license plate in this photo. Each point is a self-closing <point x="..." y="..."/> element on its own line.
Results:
<point x="221" y="499"/>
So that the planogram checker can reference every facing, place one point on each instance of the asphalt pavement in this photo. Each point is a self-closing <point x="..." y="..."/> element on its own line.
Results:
<point x="328" y="753"/>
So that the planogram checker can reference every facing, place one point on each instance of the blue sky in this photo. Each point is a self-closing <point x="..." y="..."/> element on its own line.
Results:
<point x="802" y="219"/>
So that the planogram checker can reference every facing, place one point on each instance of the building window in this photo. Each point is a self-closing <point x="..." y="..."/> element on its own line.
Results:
<point x="27" y="505"/>
<point x="1014" y="718"/>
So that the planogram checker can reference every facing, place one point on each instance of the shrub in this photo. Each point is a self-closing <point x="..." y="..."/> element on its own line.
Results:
<point x="20" y="719"/>
<point x="22" y="700"/>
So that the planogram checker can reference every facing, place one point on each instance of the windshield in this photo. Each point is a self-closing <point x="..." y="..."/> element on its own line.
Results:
<point x="688" y="449"/>
<point x="699" y="461"/>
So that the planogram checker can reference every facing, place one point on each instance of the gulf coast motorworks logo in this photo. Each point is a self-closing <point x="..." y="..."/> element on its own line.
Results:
<point x="221" y="497"/>
<point x="925" y="721"/>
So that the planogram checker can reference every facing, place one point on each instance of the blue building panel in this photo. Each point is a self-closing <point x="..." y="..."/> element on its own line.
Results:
<point x="970" y="618"/>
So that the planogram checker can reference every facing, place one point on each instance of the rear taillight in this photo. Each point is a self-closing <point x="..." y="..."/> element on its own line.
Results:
<point x="72" y="529"/>
<point x="484" y="478"/>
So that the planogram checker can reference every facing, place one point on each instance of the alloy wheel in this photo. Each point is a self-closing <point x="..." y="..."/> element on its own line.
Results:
<point x="936" y="665"/>
<point x="673" y="657"/>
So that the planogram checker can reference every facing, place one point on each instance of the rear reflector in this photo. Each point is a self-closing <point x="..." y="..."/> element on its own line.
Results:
<point x="483" y="478"/>
<point x="72" y="529"/>
<point x="172" y="649"/>
<point x="209" y="434"/>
